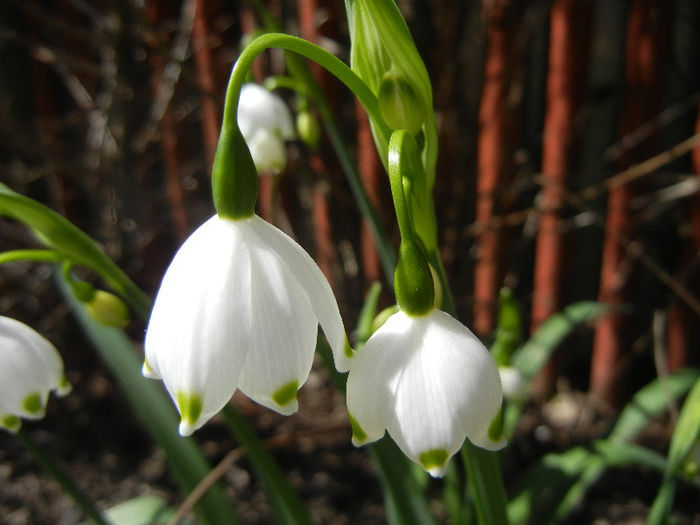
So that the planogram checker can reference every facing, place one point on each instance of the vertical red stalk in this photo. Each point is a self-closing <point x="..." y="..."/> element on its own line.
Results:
<point x="682" y="331"/>
<point x="370" y="169"/>
<point x="156" y="11"/>
<point x="323" y="235"/>
<point x="491" y="157"/>
<point x="643" y="54"/>
<point x="567" y="59"/>
<point x="210" y="112"/>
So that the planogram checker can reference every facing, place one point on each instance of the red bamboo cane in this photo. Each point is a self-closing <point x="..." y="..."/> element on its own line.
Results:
<point x="567" y="59"/>
<point x="642" y="70"/>
<point x="491" y="157"/>
<point x="370" y="169"/>
<point x="206" y="76"/>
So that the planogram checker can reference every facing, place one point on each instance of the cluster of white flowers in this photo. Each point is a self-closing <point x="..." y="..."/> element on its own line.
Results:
<point x="239" y="307"/>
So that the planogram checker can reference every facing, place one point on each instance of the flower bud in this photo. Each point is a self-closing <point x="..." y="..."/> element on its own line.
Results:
<point x="309" y="129"/>
<point x="399" y="104"/>
<point x="108" y="309"/>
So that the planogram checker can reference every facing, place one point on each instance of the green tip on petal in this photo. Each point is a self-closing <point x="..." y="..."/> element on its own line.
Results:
<point x="495" y="433"/>
<point x="33" y="404"/>
<point x="286" y="394"/>
<point x="147" y="371"/>
<point x="11" y="423"/>
<point x="434" y="461"/>
<point x="347" y="349"/>
<point x="358" y="434"/>
<point x="190" y="407"/>
<point x="64" y="387"/>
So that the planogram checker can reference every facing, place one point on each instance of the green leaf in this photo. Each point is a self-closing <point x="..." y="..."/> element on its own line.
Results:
<point x="509" y="330"/>
<point x="533" y="355"/>
<point x="155" y="411"/>
<point x="650" y="401"/>
<point x="57" y="233"/>
<point x="142" y="510"/>
<point x="367" y="315"/>
<point x="685" y="437"/>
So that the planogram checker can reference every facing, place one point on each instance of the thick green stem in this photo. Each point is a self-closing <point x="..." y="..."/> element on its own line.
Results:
<point x="62" y="477"/>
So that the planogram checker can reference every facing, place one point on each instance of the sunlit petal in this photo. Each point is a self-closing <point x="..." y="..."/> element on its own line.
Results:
<point x="312" y="280"/>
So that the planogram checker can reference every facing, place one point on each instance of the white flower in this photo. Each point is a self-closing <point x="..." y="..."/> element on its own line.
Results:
<point x="239" y="307"/>
<point x="514" y="384"/>
<point x="430" y="383"/>
<point x="265" y="122"/>
<point x="31" y="368"/>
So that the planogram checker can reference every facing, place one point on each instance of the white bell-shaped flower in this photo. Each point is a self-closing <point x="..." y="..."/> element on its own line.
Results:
<point x="239" y="307"/>
<point x="31" y="368"/>
<point x="513" y="382"/>
<point x="265" y="123"/>
<point x="430" y="383"/>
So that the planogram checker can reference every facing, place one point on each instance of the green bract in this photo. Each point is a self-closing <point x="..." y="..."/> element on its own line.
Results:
<point x="382" y="43"/>
<point x="234" y="177"/>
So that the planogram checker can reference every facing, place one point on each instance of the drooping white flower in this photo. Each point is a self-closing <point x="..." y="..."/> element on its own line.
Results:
<point x="239" y="307"/>
<point x="430" y="383"/>
<point x="30" y="368"/>
<point x="513" y="382"/>
<point x="265" y="123"/>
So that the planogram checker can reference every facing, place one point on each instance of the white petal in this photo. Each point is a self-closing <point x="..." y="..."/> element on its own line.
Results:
<point x="268" y="151"/>
<point x="513" y="382"/>
<point x="198" y="335"/>
<point x="31" y="366"/>
<point x="312" y="280"/>
<point x="371" y="383"/>
<point x="258" y="109"/>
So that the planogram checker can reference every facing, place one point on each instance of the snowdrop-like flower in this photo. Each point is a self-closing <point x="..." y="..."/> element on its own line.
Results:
<point x="513" y="382"/>
<point x="239" y="307"/>
<point x="265" y="123"/>
<point x="430" y="383"/>
<point x="31" y="368"/>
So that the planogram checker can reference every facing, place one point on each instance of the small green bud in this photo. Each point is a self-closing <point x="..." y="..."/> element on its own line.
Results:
<point x="399" y="103"/>
<point x="308" y="129"/>
<point x="108" y="309"/>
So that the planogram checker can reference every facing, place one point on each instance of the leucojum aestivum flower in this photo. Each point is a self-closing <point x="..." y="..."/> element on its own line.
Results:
<point x="31" y="368"/>
<point x="240" y="304"/>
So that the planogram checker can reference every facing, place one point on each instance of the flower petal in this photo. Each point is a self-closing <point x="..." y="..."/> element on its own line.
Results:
<point x="198" y="335"/>
<point x="268" y="151"/>
<point x="372" y="380"/>
<point x="258" y="109"/>
<point x="312" y="280"/>
<point x="283" y="332"/>
<point x="31" y="367"/>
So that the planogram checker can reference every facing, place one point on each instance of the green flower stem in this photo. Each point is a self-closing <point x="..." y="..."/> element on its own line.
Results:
<point x="311" y="51"/>
<point x="30" y="255"/>
<point x="63" y="478"/>
<point x="71" y="244"/>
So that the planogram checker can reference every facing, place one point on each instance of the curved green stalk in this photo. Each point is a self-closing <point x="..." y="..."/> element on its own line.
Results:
<point x="30" y="255"/>
<point x="71" y="244"/>
<point x="311" y="51"/>
<point x="68" y="484"/>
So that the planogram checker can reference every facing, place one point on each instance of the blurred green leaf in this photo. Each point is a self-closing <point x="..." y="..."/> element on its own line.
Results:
<point x="155" y="411"/>
<point x="142" y="510"/>
<point x="684" y="438"/>
<point x="532" y="356"/>
<point x="509" y="329"/>
<point x="57" y="233"/>
<point x="650" y="401"/>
